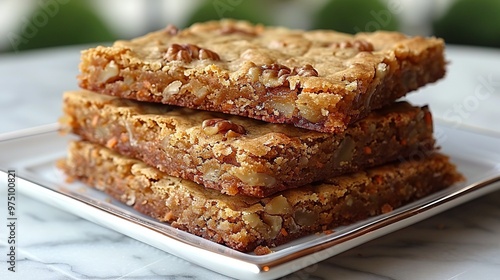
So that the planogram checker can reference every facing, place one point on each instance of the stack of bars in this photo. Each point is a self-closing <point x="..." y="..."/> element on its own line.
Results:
<point x="253" y="136"/>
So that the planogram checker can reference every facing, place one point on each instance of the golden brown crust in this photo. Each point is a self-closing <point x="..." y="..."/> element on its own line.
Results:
<point x="240" y="155"/>
<point x="242" y="222"/>
<point x="320" y="80"/>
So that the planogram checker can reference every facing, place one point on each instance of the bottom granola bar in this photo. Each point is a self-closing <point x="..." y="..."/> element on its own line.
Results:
<point x="244" y="223"/>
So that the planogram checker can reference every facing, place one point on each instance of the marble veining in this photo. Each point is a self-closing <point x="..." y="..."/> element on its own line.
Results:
<point x="461" y="243"/>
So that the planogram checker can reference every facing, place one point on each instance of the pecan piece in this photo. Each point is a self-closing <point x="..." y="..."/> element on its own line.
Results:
<point x="279" y="70"/>
<point x="305" y="71"/>
<point x="188" y="52"/>
<point x="222" y="126"/>
<point x="273" y="75"/>
<point x="275" y="69"/>
<point x="360" y="45"/>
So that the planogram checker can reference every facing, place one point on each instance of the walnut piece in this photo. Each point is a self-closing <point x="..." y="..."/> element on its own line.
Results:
<point x="188" y="52"/>
<point x="276" y="69"/>
<point x="280" y="70"/>
<point x="252" y="219"/>
<point x="305" y="71"/>
<point x="256" y="179"/>
<point x="130" y="200"/>
<point x="110" y="73"/>
<point x="278" y="206"/>
<point x="360" y="45"/>
<point x="305" y="217"/>
<point x="276" y="74"/>
<point x="274" y="224"/>
<point x="222" y="126"/>
<point x="282" y="105"/>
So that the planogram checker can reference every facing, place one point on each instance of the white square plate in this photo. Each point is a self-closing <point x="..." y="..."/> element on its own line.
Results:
<point x="33" y="154"/>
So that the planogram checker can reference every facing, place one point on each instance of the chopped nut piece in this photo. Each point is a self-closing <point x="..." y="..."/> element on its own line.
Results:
<point x="256" y="179"/>
<point x="305" y="217"/>
<point x="216" y="126"/>
<point x="172" y="88"/>
<point x="306" y="71"/>
<point x="274" y="75"/>
<point x="283" y="106"/>
<point x="278" y="69"/>
<point x="252" y="219"/>
<point x="278" y="206"/>
<point x="188" y="52"/>
<point x="109" y="73"/>
<point x="131" y="200"/>
<point x="275" y="224"/>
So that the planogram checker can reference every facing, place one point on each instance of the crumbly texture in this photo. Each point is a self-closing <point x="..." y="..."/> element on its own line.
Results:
<point x="244" y="223"/>
<point x="320" y="80"/>
<point x="239" y="155"/>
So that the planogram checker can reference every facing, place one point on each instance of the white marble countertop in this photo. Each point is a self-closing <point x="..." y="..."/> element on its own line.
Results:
<point x="461" y="243"/>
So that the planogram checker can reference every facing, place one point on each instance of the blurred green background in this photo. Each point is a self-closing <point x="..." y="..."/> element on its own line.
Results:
<point x="31" y="24"/>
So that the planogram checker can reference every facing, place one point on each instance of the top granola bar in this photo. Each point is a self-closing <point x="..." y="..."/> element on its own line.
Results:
<point x="320" y="80"/>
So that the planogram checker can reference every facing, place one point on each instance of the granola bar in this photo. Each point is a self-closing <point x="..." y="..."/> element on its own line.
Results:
<point x="320" y="80"/>
<point x="238" y="155"/>
<point x="244" y="223"/>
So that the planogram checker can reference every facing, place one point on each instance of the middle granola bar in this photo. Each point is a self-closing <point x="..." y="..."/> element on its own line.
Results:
<point x="238" y="155"/>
